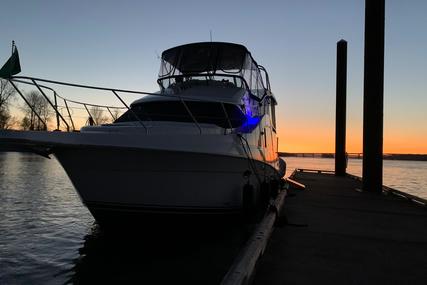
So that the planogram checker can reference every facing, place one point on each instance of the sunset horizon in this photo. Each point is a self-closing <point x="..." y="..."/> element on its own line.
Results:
<point x="213" y="142"/>
<point x="300" y="59"/>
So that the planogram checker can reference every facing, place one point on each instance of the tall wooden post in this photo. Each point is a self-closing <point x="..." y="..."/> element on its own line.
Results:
<point x="373" y="96"/>
<point x="340" y="115"/>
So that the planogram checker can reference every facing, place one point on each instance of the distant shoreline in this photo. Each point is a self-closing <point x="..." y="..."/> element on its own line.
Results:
<point x="387" y="156"/>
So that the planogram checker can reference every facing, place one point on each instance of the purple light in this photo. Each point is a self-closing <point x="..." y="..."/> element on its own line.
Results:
<point x="247" y="103"/>
<point x="250" y="124"/>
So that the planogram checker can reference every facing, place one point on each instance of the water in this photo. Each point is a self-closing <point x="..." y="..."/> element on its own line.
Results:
<point x="48" y="237"/>
<point x="40" y="219"/>
<point x="403" y="175"/>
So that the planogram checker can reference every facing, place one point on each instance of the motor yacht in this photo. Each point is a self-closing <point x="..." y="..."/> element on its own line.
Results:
<point x="194" y="147"/>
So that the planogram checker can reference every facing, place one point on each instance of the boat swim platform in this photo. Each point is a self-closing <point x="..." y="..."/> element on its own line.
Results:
<point x="335" y="233"/>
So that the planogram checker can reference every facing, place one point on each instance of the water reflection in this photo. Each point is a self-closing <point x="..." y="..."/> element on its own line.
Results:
<point x="41" y="220"/>
<point x="163" y="255"/>
<point x="49" y="237"/>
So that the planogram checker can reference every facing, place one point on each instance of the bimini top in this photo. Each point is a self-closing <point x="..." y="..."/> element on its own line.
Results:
<point x="209" y="59"/>
<point x="205" y="57"/>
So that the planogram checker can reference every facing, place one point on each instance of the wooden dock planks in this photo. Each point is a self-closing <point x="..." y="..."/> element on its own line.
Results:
<point x="337" y="235"/>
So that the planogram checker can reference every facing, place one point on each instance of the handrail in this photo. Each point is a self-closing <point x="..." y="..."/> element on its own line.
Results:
<point x="133" y="113"/>
<point x="203" y="75"/>
<point x="53" y="106"/>
<point x="256" y="98"/>
<point x="14" y="78"/>
<point x="33" y="81"/>
<point x="109" y="111"/>
<point x="396" y="192"/>
<point x="82" y="86"/>
<point x="191" y="115"/>
<point x="58" y="114"/>
<point x="87" y="110"/>
<point x="68" y="100"/>
<point x="315" y="170"/>
<point x="29" y="105"/>
<point x="226" y="115"/>
<point x="69" y="114"/>
<point x="267" y="79"/>
<point x="385" y="189"/>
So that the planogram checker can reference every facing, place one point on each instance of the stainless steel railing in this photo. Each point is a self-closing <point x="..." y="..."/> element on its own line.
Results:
<point x="70" y="124"/>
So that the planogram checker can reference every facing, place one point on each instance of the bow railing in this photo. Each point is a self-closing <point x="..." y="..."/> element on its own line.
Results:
<point x="68" y="123"/>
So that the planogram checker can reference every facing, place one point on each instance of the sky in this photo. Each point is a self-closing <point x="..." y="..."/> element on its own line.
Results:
<point x="117" y="44"/>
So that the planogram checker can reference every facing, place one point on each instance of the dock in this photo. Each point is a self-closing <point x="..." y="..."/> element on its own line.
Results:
<point x="335" y="233"/>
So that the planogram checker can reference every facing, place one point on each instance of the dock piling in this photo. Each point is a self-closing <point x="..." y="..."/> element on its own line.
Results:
<point x="340" y="119"/>
<point x="373" y="96"/>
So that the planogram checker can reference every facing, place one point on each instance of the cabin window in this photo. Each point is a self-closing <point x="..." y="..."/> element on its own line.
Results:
<point x="273" y="114"/>
<point x="175" y="111"/>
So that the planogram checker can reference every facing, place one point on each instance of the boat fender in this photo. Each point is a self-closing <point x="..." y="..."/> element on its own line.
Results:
<point x="247" y="175"/>
<point x="248" y="198"/>
<point x="283" y="184"/>
<point x="274" y="188"/>
<point x="265" y="193"/>
<point x="282" y="168"/>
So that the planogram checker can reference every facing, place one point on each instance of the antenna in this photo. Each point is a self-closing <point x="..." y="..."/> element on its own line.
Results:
<point x="210" y="33"/>
<point x="13" y="46"/>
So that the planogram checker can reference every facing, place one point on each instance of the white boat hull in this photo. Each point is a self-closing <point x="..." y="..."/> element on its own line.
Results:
<point x="119" y="173"/>
<point x="138" y="180"/>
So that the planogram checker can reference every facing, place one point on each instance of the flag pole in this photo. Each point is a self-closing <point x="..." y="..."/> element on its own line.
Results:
<point x="13" y="46"/>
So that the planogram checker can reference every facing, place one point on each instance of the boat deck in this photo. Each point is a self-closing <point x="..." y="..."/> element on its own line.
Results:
<point x="336" y="234"/>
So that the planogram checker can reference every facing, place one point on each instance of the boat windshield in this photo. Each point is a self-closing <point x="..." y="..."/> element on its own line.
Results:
<point x="223" y="115"/>
<point x="211" y="61"/>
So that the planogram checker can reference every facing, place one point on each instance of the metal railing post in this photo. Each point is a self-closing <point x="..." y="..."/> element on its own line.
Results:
<point x="129" y="109"/>
<point x="29" y="105"/>
<point x="50" y="103"/>
<point x="112" y="116"/>
<point x="69" y="114"/>
<point x="226" y="115"/>
<point x="191" y="115"/>
<point x="90" y="115"/>
<point x="56" y="107"/>
<point x="33" y="81"/>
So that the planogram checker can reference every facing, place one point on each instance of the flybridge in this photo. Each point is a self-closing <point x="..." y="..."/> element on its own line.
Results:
<point x="206" y="57"/>
<point x="210" y="62"/>
<point x="216" y="65"/>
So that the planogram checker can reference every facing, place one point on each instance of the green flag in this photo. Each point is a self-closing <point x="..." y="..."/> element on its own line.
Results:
<point x="12" y="65"/>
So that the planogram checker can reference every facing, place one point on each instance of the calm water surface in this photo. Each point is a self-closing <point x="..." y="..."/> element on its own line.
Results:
<point x="48" y="237"/>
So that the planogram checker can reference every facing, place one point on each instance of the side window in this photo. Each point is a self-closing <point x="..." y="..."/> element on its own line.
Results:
<point x="273" y="114"/>
<point x="176" y="111"/>
<point x="266" y="106"/>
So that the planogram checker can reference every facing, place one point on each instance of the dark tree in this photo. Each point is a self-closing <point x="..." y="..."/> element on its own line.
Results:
<point x="97" y="115"/>
<point x="39" y="106"/>
<point x="7" y="93"/>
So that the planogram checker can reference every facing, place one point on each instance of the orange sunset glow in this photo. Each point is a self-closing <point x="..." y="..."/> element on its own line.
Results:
<point x="299" y="52"/>
<point x="322" y="141"/>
